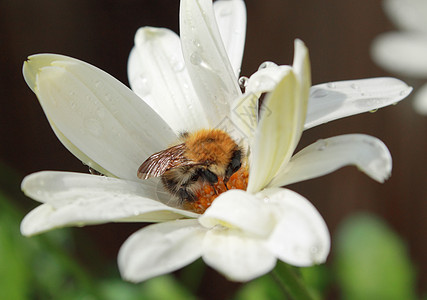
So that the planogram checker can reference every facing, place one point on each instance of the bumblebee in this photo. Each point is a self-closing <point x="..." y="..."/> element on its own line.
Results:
<point x="200" y="157"/>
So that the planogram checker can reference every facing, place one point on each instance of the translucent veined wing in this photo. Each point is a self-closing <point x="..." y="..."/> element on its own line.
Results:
<point x="162" y="161"/>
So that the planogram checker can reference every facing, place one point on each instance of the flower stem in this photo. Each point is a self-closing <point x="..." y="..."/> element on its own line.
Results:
<point x="290" y="282"/>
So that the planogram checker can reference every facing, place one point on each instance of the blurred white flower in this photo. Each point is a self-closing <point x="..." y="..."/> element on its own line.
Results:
<point x="112" y="130"/>
<point x="405" y="51"/>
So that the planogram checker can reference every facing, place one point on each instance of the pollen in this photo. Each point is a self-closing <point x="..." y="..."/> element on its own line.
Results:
<point x="207" y="194"/>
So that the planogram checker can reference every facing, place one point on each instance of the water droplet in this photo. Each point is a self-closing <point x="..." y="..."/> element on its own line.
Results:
<point x="321" y="145"/>
<point x="355" y="86"/>
<point x="319" y="93"/>
<point x="226" y="11"/>
<point x="195" y="58"/>
<point x="73" y="105"/>
<point x="403" y="93"/>
<point x="266" y="64"/>
<point x="314" y="249"/>
<point x="243" y="82"/>
<point x="331" y="85"/>
<point x="266" y="199"/>
<point x="196" y="43"/>
<point x="177" y="65"/>
<point x="97" y="83"/>
<point x="109" y="98"/>
<point x="373" y="110"/>
<point x="143" y="87"/>
<point x="93" y="126"/>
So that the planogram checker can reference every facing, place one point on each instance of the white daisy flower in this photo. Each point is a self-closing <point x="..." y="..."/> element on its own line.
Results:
<point x="112" y="130"/>
<point x="405" y="51"/>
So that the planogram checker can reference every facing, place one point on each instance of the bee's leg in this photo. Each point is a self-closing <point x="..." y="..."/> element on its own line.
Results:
<point x="209" y="177"/>
<point x="186" y="195"/>
<point x="233" y="166"/>
<point x="180" y="191"/>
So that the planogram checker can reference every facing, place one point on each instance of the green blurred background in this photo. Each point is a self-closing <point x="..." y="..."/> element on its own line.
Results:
<point x="383" y="252"/>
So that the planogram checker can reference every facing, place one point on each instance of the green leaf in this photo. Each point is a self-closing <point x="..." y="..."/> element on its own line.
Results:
<point x="14" y="277"/>
<point x="164" y="288"/>
<point x="261" y="288"/>
<point x="317" y="278"/>
<point x="372" y="261"/>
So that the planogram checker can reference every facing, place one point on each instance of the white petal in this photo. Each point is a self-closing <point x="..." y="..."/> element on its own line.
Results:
<point x="301" y="66"/>
<point x="367" y="153"/>
<point x="97" y="114"/>
<point x="78" y="199"/>
<point x="244" y="115"/>
<point x="159" y="249"/>
<point x="301" y="237"/>
<point x="420" y="100"/>
<point x="408" y="14"/>
<point x="265" y="79"/>
<point x="77" y="153"/>
<point x="158" y="75"/>
<point x="230" y="16"/>
<point x="402" y="53"/>
<point x="275" y="136"/>
<point x="237" y="256"/>
<point x="206" y="59"/>
<point x="239" y="209"/>
<point x="335" y="100"/>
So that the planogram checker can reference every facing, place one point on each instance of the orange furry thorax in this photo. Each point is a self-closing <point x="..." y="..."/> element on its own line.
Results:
<point x="210" y="145"/>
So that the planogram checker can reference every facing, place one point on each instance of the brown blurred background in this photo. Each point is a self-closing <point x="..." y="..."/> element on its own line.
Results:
<point x="338" y="34"/>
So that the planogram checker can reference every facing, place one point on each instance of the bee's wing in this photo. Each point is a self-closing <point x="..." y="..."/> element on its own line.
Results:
<point x="160" y="162"/>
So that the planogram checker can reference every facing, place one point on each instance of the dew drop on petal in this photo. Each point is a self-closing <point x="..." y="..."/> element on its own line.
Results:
<point x="93" y="126"/>
<point x="266" y="64"/>
<point x="195" y="58"/>
<point x="331" y="85"/>
<point x="314" y="249"/>
<point x="321" y="145"/>
<point x="403" y="93"/>
<point x="177" y="66"/>
<point x="243" y="82"/>
<point x="226" y="11"/>
<point x="73" y="105"/>
<point x="373" y="110"/>
<point x="355" y="86"/>
<point x="319" y="93"/>
<point x="143" y="86"/>
<point x="196" y="43"/>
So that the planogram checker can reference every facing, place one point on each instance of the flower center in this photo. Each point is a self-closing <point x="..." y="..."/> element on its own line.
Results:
<point x="207" y="194"/>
